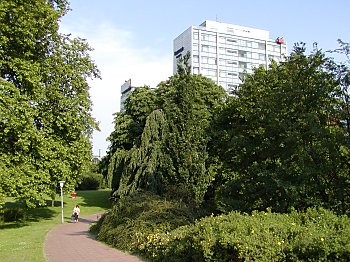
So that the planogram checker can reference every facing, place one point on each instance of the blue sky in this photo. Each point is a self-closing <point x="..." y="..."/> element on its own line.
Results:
<point x="133" y="38"/>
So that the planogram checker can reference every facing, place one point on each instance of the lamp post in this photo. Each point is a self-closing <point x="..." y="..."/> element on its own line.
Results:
<point x="61" y="183"/>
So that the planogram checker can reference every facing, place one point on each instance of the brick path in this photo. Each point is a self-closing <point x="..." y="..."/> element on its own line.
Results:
<point x="71" y="242"/>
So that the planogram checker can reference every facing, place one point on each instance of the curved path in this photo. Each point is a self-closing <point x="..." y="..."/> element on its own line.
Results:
<point x="72" y="242"/>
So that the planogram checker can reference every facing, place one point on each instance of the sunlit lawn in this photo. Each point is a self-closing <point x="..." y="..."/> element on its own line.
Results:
<point x="24" y="241"/>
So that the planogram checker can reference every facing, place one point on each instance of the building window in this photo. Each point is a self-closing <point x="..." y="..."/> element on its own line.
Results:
<point x="232" y="89"/>
<point x="208" y="37"/>
<point x="230" y="40"/>
<point x="261" y="46"/>
<point x="262" y="57"/>
<point x="242" y="53"/>
<point x="195" y="58"/>
<point x="243" y="65"/>
<point x="232" y="86"/>
<point x="230" y="62"/>
<point x="241" y="76"/>
<point x="196" y="70"/>
<point x="231" y="51"/>
<point x="205" y="48"/>
<point x="232" y="74"/>
<point x="195" y="35"/>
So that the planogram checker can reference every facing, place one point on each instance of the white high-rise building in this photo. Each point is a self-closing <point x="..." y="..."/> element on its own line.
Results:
<point x="126" y="90"/>
<point x="226" y="52"/>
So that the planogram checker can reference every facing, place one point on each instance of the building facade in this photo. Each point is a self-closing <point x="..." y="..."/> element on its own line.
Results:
<point x="226" y="52"/>
<point x="126" y="90"/>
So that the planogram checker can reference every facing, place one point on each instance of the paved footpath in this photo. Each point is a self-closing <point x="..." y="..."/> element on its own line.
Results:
<point x="71" y="242"/>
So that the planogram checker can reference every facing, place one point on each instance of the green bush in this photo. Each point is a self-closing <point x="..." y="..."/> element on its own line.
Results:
<point x="92" y="181"/>
<point x="12" y="214"/>
<point x="167" y="230"/>
<point x="316" y="235"/>
<point x="136" y="217"/>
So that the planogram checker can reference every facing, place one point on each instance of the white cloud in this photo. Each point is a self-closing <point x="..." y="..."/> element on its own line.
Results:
<point x="118" y="59"/>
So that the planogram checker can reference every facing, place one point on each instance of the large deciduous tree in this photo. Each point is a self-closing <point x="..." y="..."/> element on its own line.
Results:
<point x="45" y="122"/>
<point x="283" y="139"/>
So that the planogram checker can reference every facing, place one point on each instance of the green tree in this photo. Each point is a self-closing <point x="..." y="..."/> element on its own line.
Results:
<point x="46" y="73"/>
<point x="189" y="104"/>
<point x="128" y="128"/>
<point x="159" y="142"/>
<point x="282" y="139"/>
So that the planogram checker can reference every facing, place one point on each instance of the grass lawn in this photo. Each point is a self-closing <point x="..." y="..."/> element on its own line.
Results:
<point x="24" y="241"/>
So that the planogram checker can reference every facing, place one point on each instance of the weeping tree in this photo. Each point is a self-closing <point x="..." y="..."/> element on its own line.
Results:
<point x="162" y="144"/>
<point x="45" y="119"/>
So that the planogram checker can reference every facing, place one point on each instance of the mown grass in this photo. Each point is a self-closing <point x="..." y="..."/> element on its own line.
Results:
<point x="24" y="240"/>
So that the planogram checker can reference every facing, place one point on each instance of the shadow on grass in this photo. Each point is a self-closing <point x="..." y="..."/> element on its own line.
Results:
<point x="30" y="215"/>
<point x="11" y="225"/>
<point x="16" y="215"/>
<point x="39" y="214"/>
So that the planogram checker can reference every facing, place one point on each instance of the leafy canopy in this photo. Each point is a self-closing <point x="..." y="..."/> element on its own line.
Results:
<point x="159" y="142"/>
<point x="46" y="121"/>
<point x="283" y="139"/>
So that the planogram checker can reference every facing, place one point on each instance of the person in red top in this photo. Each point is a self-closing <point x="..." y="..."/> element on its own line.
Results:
<point x="76" y="212"/>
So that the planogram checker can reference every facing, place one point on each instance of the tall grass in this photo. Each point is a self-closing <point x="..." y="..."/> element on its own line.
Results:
<point x="24" y="240"/>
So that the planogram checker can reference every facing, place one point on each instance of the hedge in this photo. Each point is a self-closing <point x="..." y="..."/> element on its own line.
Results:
<point x="315" y="235"/>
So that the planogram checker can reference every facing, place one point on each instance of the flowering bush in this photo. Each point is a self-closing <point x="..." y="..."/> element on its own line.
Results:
<point x="163" y="230"/>
<point x="316" y="235"/>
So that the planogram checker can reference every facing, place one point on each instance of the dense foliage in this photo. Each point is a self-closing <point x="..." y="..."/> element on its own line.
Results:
<point x="159" y="142"/>
<point x="283" y="141"/>
<point x="135" y="217"/>
<point x="280" y="144"/>
<point x="165" y="230"/>
<point x="91" y="179"/>
<point x="45" y="109"/>
<point x="316" y="235"/>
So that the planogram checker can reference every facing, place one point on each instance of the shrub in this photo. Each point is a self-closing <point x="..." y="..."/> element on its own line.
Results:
<point x="316" y="235"/>
<point x="163" y="230"/>
<point x="92" y="181"/>
<point x="135" y="218"/>
<point x="12" y="214"/>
